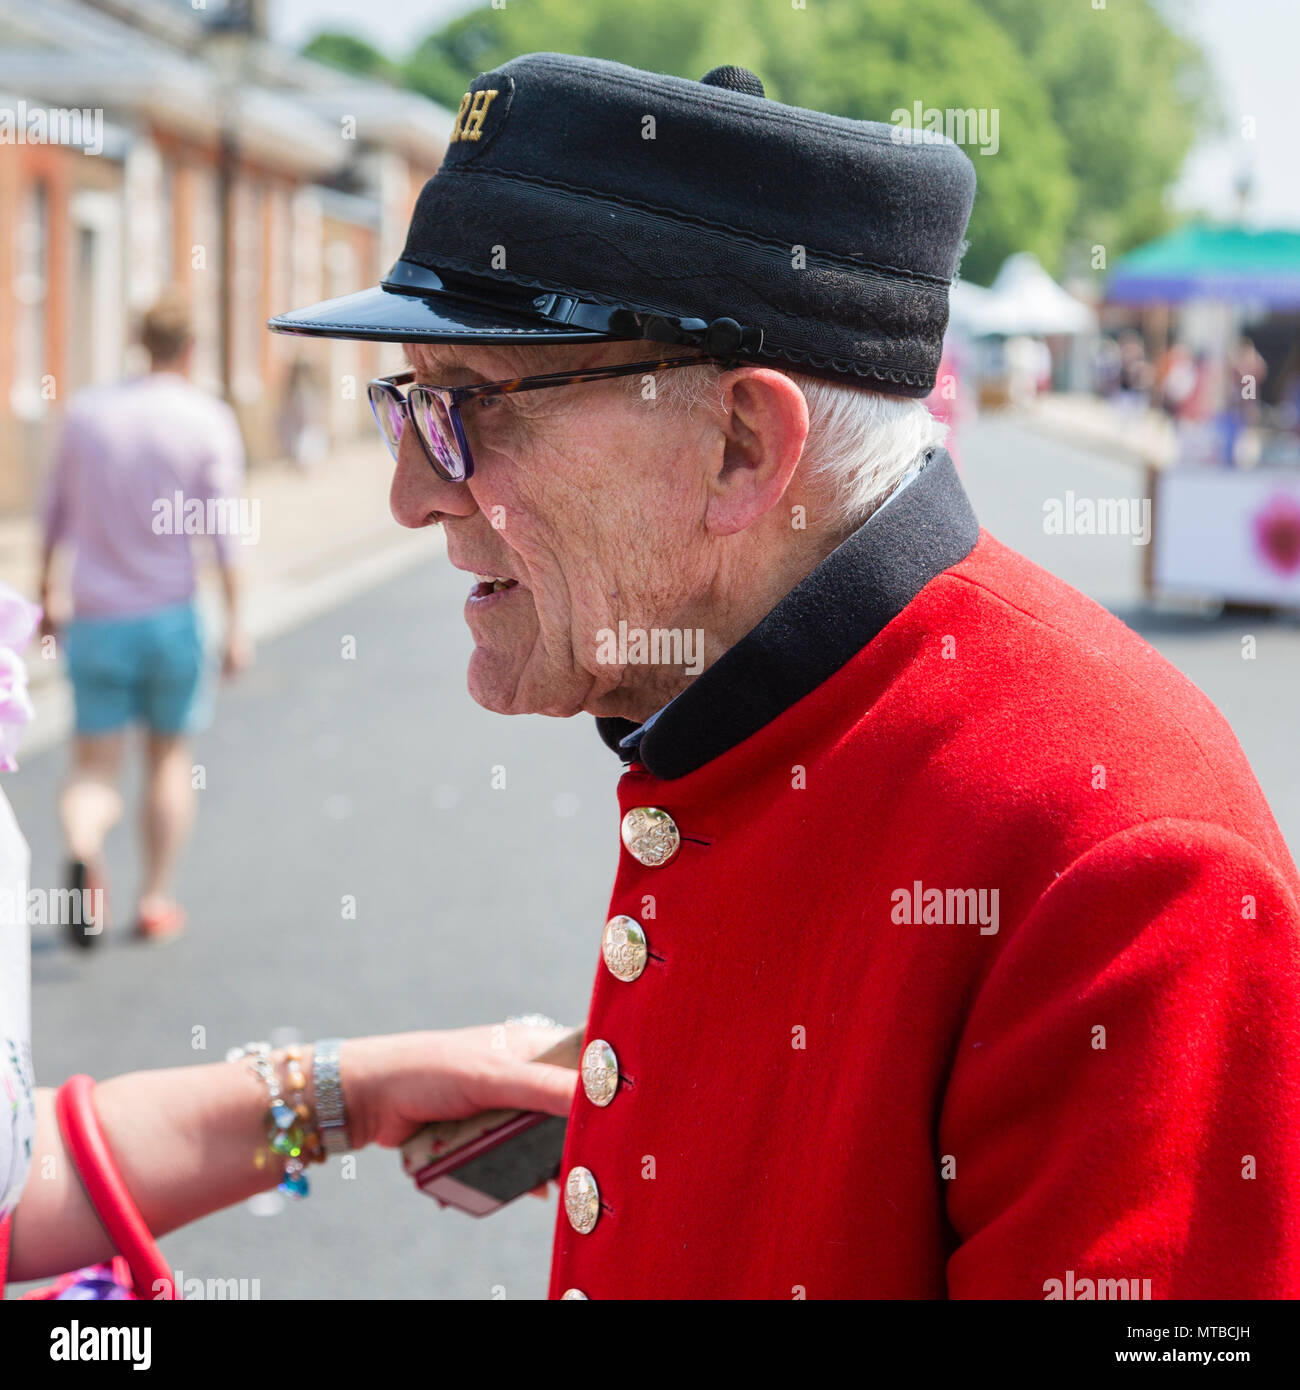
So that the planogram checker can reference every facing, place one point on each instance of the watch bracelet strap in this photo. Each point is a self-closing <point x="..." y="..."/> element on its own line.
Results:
<point x="331" y="1115"/>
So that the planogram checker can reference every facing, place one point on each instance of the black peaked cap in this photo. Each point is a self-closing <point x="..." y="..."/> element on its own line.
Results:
<point x="582" y="200"/>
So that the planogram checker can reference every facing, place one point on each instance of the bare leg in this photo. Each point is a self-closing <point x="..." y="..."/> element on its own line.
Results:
<point x="90" y="804"/>
<point x="168" y="815"/>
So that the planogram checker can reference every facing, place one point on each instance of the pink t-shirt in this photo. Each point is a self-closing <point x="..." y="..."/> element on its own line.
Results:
<point x="143" y="467"/>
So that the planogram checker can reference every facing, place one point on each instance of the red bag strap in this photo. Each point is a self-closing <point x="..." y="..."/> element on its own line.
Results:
<point x="4" y="1252"/>
<point x="118" y="1214"/>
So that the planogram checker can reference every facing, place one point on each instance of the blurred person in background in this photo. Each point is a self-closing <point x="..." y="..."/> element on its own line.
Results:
<point x="1107" y="368"/>
<point x="1175" y="380"/>
<point x="1244" y="374"/>
<point x="1184" y="381"/>
<point x="137" y="471"/>
<point x="1134" y="379"/>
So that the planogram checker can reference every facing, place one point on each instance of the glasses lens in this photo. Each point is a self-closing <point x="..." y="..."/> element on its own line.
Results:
<point x="386" y="405"/>
<point x="433" y="422"/>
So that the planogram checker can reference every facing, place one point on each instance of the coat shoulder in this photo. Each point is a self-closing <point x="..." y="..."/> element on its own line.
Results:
<point x="1060" y="705"/>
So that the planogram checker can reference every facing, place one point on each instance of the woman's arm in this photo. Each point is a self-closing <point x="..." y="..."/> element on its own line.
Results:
<point x="187" y="1141"/>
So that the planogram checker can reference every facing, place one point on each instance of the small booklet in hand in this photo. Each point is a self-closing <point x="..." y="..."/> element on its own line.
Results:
<point x="483" y="1162"/>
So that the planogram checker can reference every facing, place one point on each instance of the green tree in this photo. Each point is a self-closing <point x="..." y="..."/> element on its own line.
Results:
<point x="352" y="54"/>
<point x="1130" y="94"/>
<point x="835" y="55"/>
<point x="1063" y="169"/>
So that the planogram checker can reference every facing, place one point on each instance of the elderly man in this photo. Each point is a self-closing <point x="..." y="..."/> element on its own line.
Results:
<point x="952" y="946"/>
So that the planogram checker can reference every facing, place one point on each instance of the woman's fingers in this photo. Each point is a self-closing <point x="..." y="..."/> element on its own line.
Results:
<point x="393" y="1085"/>
<point x="516" y="1085"/>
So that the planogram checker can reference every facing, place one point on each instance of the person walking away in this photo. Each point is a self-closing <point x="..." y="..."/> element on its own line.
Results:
<point x="138" y="464"/>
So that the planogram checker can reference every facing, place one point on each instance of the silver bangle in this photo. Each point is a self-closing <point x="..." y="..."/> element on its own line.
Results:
<point x="331" y="1115"/>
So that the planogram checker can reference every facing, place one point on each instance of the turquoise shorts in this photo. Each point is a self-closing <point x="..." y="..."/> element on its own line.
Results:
<point x="148" y="669"/>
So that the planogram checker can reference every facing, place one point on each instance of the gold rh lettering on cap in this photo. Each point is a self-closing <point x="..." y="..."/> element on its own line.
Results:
<point x="473" y="112"/>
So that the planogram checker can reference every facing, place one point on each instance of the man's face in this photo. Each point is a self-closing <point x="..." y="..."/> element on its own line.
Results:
<point x="591" y="497"/>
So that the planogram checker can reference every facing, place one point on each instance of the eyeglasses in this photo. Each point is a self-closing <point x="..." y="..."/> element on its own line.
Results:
<point x="436" y="409"/>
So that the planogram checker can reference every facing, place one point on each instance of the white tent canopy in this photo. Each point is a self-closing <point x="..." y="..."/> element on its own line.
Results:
<point x="1024" y="299"/>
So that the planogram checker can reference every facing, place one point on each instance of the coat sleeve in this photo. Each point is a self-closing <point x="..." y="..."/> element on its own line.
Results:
<point x="1125" y="1096"/>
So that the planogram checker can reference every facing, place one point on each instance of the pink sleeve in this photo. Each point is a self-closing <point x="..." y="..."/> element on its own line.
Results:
<point x="56" y="512"/>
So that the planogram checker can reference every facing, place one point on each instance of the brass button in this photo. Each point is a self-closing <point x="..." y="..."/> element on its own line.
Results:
<point x="650" y="836"/>
<point x="599" y="1072"/>
<point x="625" y="948"/>
<point x="581" y="1200"/>
<point x="574" y="1294"/>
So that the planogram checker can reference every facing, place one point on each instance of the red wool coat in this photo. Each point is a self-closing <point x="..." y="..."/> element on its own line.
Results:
<point x="822" y="1097"/>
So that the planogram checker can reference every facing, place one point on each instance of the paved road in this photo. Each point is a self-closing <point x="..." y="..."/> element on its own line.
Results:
<point x="372" y="777"/>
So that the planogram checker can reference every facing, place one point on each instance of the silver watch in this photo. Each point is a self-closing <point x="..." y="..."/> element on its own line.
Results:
<point x="331" y="1115"/>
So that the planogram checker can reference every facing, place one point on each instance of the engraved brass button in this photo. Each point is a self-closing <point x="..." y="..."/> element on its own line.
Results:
<point x="624" y="947"/>
<point x="581" y="1200"/>
<point x="599" y="1072"/>
<point x="650" y="836"/>
<point x="574" y="1294"/>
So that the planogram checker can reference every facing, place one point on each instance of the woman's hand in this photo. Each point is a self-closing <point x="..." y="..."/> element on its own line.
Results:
<point x="395" y="1084"/>
<point x="190" y="1140"/>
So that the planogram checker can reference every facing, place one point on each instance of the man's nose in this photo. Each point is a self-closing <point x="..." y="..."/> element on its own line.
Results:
<point x="418" y="496"/>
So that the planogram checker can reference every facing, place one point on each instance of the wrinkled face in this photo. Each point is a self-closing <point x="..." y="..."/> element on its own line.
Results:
<point x="591" y="497"/>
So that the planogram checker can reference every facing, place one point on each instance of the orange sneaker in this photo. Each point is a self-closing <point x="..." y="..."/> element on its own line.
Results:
<point x="160" y="925"/>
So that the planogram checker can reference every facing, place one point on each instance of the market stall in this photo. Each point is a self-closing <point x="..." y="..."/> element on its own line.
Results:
<point x="1226" y="510"/>
<point x="1011" y="323"/>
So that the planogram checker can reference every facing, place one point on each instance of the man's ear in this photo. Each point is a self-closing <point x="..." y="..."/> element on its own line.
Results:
<point x="764" y="425"/>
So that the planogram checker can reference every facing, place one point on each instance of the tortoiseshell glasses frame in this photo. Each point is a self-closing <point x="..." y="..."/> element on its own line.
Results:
<point x="436" y="409"/>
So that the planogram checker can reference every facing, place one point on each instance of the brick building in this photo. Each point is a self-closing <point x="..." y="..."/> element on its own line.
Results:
<point x="146" y="144"/>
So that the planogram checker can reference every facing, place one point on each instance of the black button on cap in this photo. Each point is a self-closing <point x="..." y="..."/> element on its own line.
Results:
<point x="734" y="79"/>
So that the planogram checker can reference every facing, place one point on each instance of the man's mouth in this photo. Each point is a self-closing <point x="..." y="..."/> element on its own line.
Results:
<point x="487" y="585"/>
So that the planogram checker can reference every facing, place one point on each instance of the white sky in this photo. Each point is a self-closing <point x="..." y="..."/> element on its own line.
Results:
<point x="1252" y="44"/>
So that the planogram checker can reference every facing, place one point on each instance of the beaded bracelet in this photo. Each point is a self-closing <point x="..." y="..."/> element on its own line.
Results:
<point x="296" y="1097"/>
<point x="289" y="1130"/>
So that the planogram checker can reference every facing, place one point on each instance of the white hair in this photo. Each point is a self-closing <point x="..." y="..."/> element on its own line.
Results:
<point x="859" y="441"/>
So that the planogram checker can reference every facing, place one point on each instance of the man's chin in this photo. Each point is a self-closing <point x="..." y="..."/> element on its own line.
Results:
<point x="499" y="684"/>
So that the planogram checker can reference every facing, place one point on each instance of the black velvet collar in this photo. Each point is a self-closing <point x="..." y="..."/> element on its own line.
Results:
<point x="825" y="620"/>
